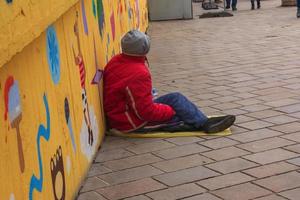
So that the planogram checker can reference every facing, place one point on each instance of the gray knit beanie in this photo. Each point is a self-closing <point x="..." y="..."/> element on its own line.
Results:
<point x="135" y="42"/>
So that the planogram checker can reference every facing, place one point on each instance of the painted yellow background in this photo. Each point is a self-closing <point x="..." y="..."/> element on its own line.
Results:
<point x="30" y="68"/>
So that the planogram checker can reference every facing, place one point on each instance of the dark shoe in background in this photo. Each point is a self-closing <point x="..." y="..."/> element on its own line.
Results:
<point x="234" y="8"/>
<point x="252" y="5"/>
<point x="258" y="4"/>
<point x="218" y="124"/>
<point x="298" y="13"/>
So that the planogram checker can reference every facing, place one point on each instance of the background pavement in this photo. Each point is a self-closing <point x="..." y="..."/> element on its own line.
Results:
<point x="247" y="65"/>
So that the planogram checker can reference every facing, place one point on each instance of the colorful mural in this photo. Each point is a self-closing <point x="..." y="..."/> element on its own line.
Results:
<point x="82" y="73"/>
<point x="84" y="20"/>
<point x="100" y="15"/>
<point x="52" y="120"/>
<point x="35" y="182"/>
<point x="13" y="108"/>
<point x="58" y="175"/>
<point x="53" y="54"/>
<point x="69" y="123"/>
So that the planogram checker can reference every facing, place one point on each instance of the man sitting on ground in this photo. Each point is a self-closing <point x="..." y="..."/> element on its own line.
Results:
<point x="128" y="100"/>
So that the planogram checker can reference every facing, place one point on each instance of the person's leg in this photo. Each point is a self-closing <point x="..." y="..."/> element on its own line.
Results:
<point x="188" y="117"/>
<point x="184" y="108"/>
<point x="258" y="4"/>
<point x="233" y="5"/>
<point x="298" y="8"/>
<point x="228" y="4"/>
<point x="252" y="5"/>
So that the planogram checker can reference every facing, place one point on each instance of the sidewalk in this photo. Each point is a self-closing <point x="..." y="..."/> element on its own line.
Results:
<point x="247" y="65"/>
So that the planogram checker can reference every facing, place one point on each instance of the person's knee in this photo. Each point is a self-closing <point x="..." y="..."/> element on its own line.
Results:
<point x="176" y="94"/>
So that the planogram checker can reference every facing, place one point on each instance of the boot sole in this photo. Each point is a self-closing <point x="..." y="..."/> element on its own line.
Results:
<point x="222" y="125"/>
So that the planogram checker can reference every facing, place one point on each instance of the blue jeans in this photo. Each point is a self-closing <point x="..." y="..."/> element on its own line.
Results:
<point x="233" y="3"/>
<point x="298" y="4"/>
<point x="185" y="110"/>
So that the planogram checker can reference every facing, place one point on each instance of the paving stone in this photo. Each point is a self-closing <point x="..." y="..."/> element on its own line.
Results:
<point x="245" y="95"/>
<point x="148" y="147"/>
<point x="234" y="111"/>
<point x="295" y="148"/>
<point x="290" y="108"/>
<point x="92" y="184"/>
<point x="184" y="140"/>
<point x="130" y="189"/>
<point x="177" y="192"/>
<point x="271" y="197"/>
<point x="250" y="101"/>
<point x="90" y="195"/>
<point x="280" y="119"/>
<point x="139" y="197"/>
<point x="270" y="169"/>
<point x="291" y="194"/>
<point x="254" y="135"/>
<point x="205" y="196"/>
<point x="255" y="108"/>
<point x="111" y="144"/>
<point x="226" y="106"/>
<point x="281" y="182"/>
<point x="182" y="163"/>
<point x="295" y="161"/>
<point x="179" y="151"/>
<point x="236" y="130"/>
<point x="288" y="128"/>
<point x="225" y="181"/>
<point x="227" y="99"/>
<point x="129" y="175"/>
<point x="243" y="191"/>
<point x="296" y="115"/>
<point x="294" y="137"/>
<point x="256" y="124"/>
<point x="271" y="156"/>
<point x="243" y="118"/>
<point x="98" y="169"/>
<point x="282" y="102"/>
<point x="265" y="144"/>
<point x="185" y="176"/>
<point x="112" y="155"/>
<point x="219" y="143"/>
<point x="132" y="161"/>
<point x="264" y="114"/>
<point x="232" y="165"/>
<point x="143" y="140"/>
<point x="225" y="153"/>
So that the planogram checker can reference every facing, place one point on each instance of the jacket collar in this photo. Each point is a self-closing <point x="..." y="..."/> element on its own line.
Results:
<point x="136" y="58"/>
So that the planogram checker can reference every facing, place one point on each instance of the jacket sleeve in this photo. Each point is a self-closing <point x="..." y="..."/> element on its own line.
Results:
<point x="140" y="100"/>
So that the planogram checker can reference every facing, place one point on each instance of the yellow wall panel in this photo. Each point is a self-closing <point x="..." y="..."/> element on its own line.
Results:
<point x="51" y="116"/>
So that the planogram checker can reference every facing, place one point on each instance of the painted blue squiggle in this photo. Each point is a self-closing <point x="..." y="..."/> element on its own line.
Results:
<point x="36" y="183"/>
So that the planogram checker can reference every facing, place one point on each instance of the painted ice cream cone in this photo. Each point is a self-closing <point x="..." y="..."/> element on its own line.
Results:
<point x="15" y="117"/>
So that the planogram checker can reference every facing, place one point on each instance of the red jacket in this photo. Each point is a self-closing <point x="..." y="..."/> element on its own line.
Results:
<point x="128" y="102"/>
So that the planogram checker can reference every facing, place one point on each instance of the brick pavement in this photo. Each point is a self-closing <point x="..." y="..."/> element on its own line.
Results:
<point x="247" y="65"/>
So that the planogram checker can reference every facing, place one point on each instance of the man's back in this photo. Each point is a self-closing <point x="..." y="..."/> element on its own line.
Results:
<point x="118" y="74"/>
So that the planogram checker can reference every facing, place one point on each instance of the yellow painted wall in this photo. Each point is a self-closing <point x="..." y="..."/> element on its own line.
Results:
<point x="42" y="103"/>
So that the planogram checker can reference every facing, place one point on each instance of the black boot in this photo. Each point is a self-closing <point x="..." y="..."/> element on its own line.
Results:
<point x="258" y="4"/>
<point x="252" y="5"/>
<point x="218" y="124"/>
